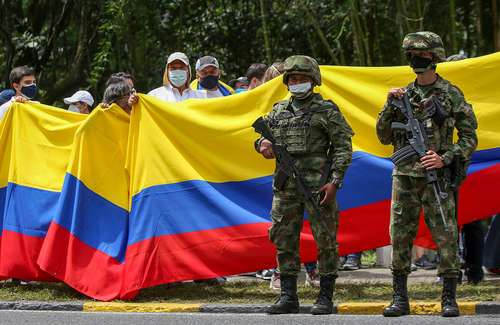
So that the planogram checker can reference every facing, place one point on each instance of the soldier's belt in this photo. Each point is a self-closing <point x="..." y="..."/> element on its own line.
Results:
<point x="403" y="154"/>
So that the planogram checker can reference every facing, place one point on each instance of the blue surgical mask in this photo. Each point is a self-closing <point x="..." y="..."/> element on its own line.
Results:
<point x="300" y="90"/>
<point x="29" y="91"/>
<point x="177" y="78"/>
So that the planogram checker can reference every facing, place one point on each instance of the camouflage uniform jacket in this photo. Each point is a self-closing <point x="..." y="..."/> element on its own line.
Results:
<point x="314" y="132"/>
<point x="459" y="115"/>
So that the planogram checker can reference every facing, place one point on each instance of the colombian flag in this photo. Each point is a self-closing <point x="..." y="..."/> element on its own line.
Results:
<point x="176" y="191"/>
<point x="35" y="142"/>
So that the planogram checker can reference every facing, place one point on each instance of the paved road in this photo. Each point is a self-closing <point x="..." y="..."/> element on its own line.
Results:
<point x="56" y="318"/>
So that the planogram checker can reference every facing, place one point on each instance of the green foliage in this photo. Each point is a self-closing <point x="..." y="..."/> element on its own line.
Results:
<point x="78" y="44"/>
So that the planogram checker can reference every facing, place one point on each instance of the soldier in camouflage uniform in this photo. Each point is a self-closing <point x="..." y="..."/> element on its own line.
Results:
<point x="440" y="107"/>
<point x="319" y="138"/>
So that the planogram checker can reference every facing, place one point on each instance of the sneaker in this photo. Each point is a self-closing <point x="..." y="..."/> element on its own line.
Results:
<point x="312" y="279"/>
<point x="413" y="267"/>
<point x="352" y="263"/>
<point x="341" y="263"/>
<point x="275" y="282"/>
<point x="19" y="282"/>
<point x="424" y="263"/>
<point x="267" y="274"/>
<point x="212" y="282"/>
<point x="258" y="274"/>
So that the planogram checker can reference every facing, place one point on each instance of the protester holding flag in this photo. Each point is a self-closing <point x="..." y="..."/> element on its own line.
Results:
<point x="80" y="102"/>
<point x="255" y="75"/>
<point x="118" y="76"/>
<point x="176" y="80"/>
<point x="208" y="78"/>
<point x="274" y="70"/>
<point x="316" y="135"/>
<point x="22" y="79"/>
<point x="439" y="107"/>
<point x="239" y="85"/>
<point x="121" y="94"/>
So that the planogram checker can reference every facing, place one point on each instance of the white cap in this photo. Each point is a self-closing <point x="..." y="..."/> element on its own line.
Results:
<point x="178" y="56"/>
<point x="80" y="96"/>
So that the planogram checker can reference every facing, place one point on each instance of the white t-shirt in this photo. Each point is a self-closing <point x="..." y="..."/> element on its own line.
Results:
<point x="214" y="93"/>
<point x="171" y="94"/>
<point x="5" y="106"/>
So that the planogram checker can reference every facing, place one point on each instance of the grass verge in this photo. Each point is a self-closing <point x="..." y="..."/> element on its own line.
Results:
<point x="251" y="292"/>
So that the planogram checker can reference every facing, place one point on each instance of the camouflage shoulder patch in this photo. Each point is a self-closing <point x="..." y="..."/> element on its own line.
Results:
<point x="328" y="104"/>
<point x="282" y="104"/>
<point x="322" y="104"/>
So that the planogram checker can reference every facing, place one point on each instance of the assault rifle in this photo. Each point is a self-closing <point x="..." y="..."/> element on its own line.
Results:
<point x="417" y="138"/>
<point x="288" y="167"/>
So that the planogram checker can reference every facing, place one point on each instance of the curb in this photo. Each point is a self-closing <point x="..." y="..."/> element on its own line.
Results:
<point x="247" y="309"/>
<point x="351" y="308"/>
<point x="361" y="308"/>
<point x="124" y="307"/>
<point x="41" y="305"/>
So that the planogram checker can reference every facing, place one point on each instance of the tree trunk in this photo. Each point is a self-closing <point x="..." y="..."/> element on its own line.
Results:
<point x="366" y="37"/>
<point x="479" y="27"/>
<point x="403" y="12"/>
<point x="468" y="38"/>
<point x="314" y="23"/>
<point x="357" y="33"/>
<point x="400" y="21"/>
<point x="75" y="76"/>
<point x="265" y="32"/>
<point x="495" y="6"/>
<point x="452" y="22"/>
<point x="420" y="15"/>
<point x="56" y="29"/>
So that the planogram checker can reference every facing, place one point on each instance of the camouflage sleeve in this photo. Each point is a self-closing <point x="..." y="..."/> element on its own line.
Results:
<point x="384" y="120"/>
<point x="270" y="115"/>
<point x="340" y="134"/>
<point x="466" y="125"/>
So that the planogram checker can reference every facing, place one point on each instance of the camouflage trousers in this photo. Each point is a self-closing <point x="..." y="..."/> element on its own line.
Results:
<point x="287" y="217"/>
<point x="409" y="196"/>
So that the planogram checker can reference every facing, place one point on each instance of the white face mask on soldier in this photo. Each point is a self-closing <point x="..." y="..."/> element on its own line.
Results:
<point x="300" y="90"/>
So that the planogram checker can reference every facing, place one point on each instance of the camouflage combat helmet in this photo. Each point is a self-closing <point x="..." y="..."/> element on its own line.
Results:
<point x="425" y="41"/>
<point x="302" y="64"/>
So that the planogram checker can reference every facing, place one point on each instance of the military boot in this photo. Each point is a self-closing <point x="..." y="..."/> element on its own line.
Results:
<point x="324" y="304"/>
<point x="400" y="305"/>
<point x="449" y="307"/>
<point x="288" y="302"/>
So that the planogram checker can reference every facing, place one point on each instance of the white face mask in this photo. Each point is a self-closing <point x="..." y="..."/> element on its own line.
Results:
<point x="300" y="90"/>
<point x="177" y="78"/>
<point x="73" y="108"/>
